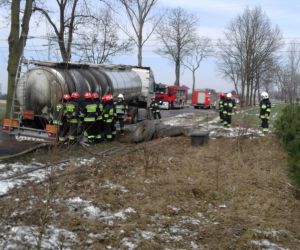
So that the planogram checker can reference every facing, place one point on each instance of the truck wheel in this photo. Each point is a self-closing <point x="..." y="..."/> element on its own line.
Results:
<point x="134" y="118"/>
<point x="134" y="115"/>
<point x="144" y="131"/>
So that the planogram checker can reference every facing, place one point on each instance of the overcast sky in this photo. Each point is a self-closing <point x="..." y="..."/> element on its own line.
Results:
<point x="214" y="15"/>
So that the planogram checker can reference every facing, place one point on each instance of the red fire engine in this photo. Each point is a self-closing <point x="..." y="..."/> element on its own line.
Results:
<point x="171" y="96"/>
<point x="204" y="98"/>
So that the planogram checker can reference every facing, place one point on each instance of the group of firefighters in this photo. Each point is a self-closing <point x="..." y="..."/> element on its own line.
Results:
<point x="93" y="117"/>
<point x="227" y="106"/>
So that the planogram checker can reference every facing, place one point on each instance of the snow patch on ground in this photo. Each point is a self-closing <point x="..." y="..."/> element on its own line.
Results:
<point x="267" y="245"/>
<point x="267" y="233"/>
<point x="130" y="245"/>
<point x="8" y="181"/>
<point x="25" y="237"/>
<point x="234" y="132"/>
<point x="108" y="184"/>
<point x="93" y="213"/>
<point x="14" y="175"/>
<point x="84" y="162"/>
<point x="187" y="120"/>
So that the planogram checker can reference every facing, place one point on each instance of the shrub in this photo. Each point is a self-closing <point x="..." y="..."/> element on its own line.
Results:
<point x="287" y="128"/>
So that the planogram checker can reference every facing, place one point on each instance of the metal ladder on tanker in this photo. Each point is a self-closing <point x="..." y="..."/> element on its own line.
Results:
<point x="16" y="109"/>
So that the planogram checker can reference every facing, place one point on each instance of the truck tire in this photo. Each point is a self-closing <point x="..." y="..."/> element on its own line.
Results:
<point x="135" y="117"/>
<point x="144" y="131"/>
<point x="133" y="111"/>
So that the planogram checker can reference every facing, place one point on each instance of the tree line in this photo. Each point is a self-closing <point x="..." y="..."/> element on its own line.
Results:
<point x="91" y="32"/>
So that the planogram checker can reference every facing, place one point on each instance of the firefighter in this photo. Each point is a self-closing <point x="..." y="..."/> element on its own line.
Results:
<point x="58" y="114"/>
<point x="72" y="117"/>
<point x="155" y="108"/>
<point x="121" y="110"/>
<point x="108" y="116"/>
<point x="89" y="109"/>
<point x="98" y="128"/>
<point x="221" y="106"/>
<point x="60" y="118"/>
<point x="265" y="110"/>
<point x="228" y="109"/>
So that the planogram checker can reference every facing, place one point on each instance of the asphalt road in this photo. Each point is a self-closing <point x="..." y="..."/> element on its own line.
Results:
<point x="174" y="112"/>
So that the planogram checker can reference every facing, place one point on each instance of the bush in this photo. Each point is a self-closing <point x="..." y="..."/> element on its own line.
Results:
<point x="288" y="130"/>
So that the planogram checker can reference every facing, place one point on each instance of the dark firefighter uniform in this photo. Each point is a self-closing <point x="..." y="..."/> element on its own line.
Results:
<point x="89" y="109"/>
<point x="121" y="110"/>
<point x="59" y="118"/>
<point x="155" y="108"/>
<point x="221" y="107"/>
<point x="108" y="117"/>
<point x="265" y="110"/>
<point x="72" y="117"/>
<point x="98" y="125"/>
<point x="228" y="108"/>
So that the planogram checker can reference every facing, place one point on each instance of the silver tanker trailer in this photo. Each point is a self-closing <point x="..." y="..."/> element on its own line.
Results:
<point x="40" y="88"/>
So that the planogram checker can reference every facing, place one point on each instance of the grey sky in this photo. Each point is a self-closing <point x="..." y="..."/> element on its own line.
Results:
<point x="214" y="17"/>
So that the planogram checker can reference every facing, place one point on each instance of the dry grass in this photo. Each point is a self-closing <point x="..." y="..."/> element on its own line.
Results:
<point x="170" y="180"/>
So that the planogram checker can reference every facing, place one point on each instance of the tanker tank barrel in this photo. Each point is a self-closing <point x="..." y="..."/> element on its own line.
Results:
<point x="41" y="87"/>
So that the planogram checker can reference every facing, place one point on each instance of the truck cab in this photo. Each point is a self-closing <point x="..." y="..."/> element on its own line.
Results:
<point x="171" y="96"/>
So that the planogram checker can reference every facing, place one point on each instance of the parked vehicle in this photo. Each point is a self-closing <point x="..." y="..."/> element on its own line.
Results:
<point x="171" y="96"/>
<point x="43" y="86"/>
<point x="204" y="99"/>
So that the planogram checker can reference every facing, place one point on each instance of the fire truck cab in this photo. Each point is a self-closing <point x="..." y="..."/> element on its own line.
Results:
<point x="171" y="96"/>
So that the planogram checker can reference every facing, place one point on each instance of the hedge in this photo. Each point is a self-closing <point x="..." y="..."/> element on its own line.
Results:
<point x="287" y="128"/>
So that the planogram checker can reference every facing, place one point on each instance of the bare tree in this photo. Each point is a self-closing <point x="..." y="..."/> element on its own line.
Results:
<point x="99" y="42"/>
<point x="72" y="13"/>
<point x="19" y="28"/>
<point x="250" y="43"/>
<point x="289" y="75"/>
<point x="177" y="32"/>
<point x="138" y="12"/>
<point x="200" y="49"/>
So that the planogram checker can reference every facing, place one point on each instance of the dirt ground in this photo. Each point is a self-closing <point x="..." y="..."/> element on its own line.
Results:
<point x="233" y="193"/>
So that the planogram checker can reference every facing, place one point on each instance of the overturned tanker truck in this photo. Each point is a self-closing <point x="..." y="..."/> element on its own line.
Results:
<point x="40" y="88"/>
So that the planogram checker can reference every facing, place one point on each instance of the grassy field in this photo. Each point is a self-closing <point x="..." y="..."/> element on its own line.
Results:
<point x="249" y="117"/>
<point x="229" y="194"/>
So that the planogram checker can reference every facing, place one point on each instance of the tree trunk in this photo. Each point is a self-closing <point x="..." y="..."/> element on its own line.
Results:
<point x="254" y="96"/>
<point x="194" y="80"/>
<point x="177" y="73"/>
<point x="251" y="93"/>
<point x="63" y="51"/>
<point x="243" y="94"/>
<point x="140" y="51"/>
<point x="247" y="92"/>
<point x="16" y="43"/>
